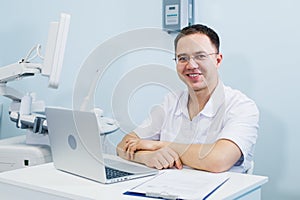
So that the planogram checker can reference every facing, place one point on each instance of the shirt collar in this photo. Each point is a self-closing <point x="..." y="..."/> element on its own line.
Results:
<point x="182" y="104"/>
<point x="212" y="106"/>
<point x="215" y="101"/>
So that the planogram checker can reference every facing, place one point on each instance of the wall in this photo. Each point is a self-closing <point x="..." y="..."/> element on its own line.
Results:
<point x="259" y="40"/>
<point x="260" y="44"/>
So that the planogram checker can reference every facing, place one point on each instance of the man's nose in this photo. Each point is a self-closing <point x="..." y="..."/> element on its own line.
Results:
<point x="192" y="63"/>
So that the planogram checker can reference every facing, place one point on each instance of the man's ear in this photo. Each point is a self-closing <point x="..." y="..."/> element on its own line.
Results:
<point x="219" y="59"/>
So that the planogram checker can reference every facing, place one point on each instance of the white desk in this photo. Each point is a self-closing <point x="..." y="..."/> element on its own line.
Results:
<point x="45" y="182"/>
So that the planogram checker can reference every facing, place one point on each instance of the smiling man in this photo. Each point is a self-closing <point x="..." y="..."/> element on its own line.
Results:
<point x="209" y="126"/>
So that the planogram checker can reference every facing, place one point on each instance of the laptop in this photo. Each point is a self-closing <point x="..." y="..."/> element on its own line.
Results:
<point x="76" y="148"/>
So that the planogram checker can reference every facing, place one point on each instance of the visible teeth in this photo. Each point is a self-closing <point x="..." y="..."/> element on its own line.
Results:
<point x="193" y="75"/>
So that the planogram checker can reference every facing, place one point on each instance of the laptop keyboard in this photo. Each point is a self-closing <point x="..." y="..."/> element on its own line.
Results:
<point x="114" y="173"/>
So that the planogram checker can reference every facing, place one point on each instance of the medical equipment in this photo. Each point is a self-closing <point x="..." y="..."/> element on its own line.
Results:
<point x="15" y="153"/>
<point x="29" y="113"/>
<point x="25" y="110"/>
<point x="177" y="14"/>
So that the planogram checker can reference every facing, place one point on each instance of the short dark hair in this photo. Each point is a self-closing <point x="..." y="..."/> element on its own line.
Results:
<point x="199" y="28"/>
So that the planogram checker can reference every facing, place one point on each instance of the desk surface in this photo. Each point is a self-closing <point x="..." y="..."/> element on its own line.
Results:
<point x="46" y="179"/>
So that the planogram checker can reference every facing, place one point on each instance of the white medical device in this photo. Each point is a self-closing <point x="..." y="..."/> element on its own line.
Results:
<point x="52" y="62"/>
<point x="24" y="109"/>
<point x="15" y="153"/>
<point x="177" y="14"/>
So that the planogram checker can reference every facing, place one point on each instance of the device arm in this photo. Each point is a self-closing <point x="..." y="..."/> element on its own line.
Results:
<point x="10" y="92"/>
<point x="14" y="72"/>
<point x="18" y="70"/>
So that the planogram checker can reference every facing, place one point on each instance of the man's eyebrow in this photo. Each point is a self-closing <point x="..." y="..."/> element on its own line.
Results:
<point x="182" y="54"/>
<point x="185" y="54"/>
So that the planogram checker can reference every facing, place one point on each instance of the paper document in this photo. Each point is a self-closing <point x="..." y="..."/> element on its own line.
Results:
<point x="180" y="184"/>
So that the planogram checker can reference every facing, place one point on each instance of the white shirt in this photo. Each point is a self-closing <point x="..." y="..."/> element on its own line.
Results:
<point x="228" y="114"/>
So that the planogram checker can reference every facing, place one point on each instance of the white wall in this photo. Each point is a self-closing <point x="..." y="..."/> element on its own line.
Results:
<point x="259" y="40"/>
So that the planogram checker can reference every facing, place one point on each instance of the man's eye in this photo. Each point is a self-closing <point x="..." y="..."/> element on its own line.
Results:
<point x="183" y="59"/>
<point x="200" y="56"/>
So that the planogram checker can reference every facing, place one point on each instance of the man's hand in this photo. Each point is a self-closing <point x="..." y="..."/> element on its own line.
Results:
<point x="134" y="144"/>
<point x="156" y="154"/>
<point x="162" y="158"/>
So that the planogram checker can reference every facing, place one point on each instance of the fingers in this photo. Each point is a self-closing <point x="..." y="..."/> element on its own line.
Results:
<point x="130" y="147"/>
<point x="177" y="162"/>
<point x="162" y="158"/>
<point x="133" y="144"/>
<point x="165" y="158"/>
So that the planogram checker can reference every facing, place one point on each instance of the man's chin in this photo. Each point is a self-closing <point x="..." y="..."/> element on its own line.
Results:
<point x="196" y="88"/>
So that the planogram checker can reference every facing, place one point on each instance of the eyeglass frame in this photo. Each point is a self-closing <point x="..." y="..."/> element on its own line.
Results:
<point x="193" y="57"/>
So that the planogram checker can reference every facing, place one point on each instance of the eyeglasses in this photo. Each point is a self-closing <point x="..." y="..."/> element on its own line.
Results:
<point x="198" y="57"/>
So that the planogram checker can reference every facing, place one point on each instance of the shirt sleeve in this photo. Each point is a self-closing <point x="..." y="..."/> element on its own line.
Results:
<point x="151" y="126"/>
<point x="241" y="127"/>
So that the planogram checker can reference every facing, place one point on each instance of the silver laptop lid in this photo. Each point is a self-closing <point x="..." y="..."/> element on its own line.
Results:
<point x="75" y="142"/>
<point x="76" y="147"/>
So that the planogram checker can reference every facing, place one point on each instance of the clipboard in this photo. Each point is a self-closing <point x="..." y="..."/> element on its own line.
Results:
<point x="180" y="184"/>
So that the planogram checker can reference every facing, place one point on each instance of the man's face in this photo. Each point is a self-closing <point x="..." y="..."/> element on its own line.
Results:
<point x="197" y="62"/>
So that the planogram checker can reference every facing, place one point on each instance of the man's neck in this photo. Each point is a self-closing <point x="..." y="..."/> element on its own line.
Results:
<point x="198" y="99"/>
